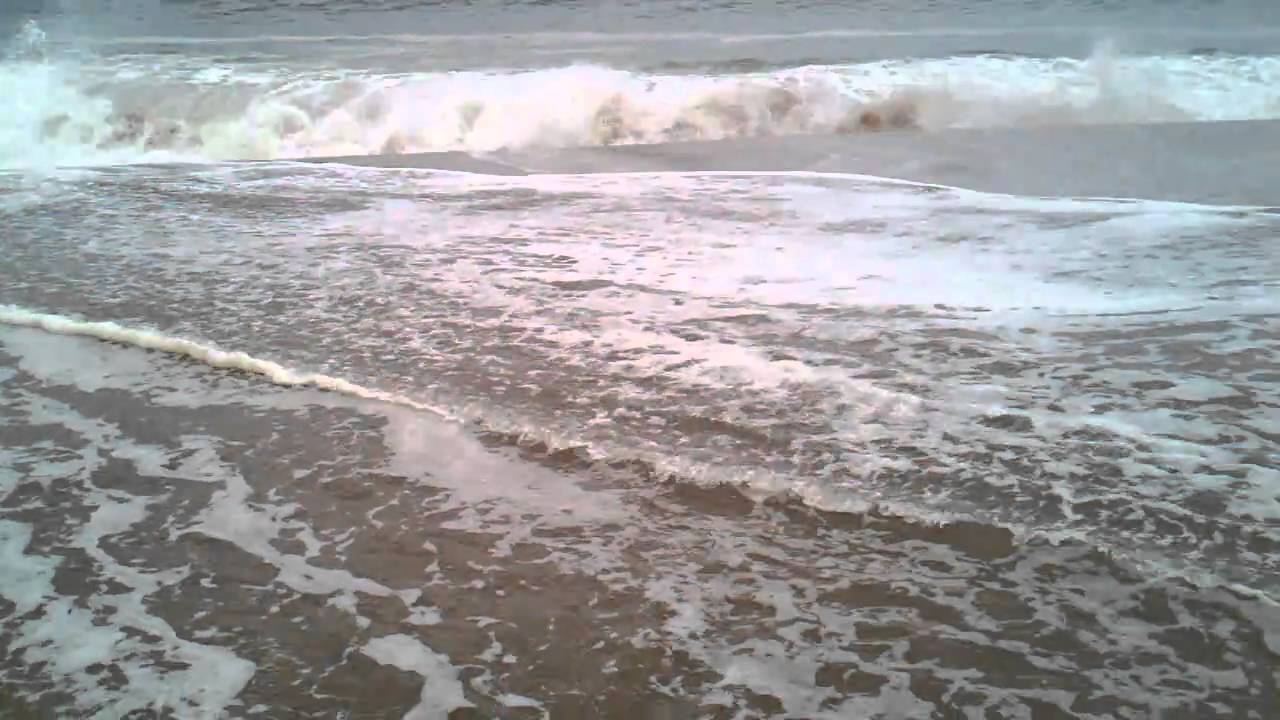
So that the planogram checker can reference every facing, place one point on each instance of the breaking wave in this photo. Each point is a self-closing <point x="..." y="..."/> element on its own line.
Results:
<point x="142" y="109"/>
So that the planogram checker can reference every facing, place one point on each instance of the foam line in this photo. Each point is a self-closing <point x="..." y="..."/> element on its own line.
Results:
<point x="207" y="354"/>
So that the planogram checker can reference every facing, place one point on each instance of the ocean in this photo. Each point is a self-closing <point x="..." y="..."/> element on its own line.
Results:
<point x="640" y="359"/>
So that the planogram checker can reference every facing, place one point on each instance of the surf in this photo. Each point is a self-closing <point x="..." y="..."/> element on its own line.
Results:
<point x="140" y="108"/>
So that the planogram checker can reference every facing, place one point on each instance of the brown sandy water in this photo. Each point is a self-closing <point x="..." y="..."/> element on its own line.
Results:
<point x="371" y="359"/>
<point x="367" y="559"/>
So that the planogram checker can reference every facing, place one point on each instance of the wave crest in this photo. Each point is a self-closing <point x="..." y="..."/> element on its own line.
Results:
<point x="73" y="114"/>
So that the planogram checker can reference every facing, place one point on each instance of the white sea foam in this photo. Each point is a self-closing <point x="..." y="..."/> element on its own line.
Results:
<point x="170" y="109"/>
<point x="442" y="691"/>
<point x="28" y="578"/>
<point x="71" y="639"/>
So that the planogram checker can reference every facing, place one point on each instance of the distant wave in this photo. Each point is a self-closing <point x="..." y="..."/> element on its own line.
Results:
<point x="77" y="114"/>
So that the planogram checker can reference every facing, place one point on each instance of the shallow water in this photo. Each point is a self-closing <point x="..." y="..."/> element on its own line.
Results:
<point x="494" y="418"/>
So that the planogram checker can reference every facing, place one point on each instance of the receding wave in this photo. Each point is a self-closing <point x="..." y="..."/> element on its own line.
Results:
<point x="144" y="109"/>
<point x="759" y="484"/>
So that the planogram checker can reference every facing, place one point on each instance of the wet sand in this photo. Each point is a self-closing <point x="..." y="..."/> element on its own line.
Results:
<point x="1232" y="163"/>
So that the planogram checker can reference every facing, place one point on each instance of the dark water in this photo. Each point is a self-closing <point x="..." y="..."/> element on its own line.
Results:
<point x="648" y="34"/>
<point x="639" y="360"/>
<point x="242" y="17"/>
